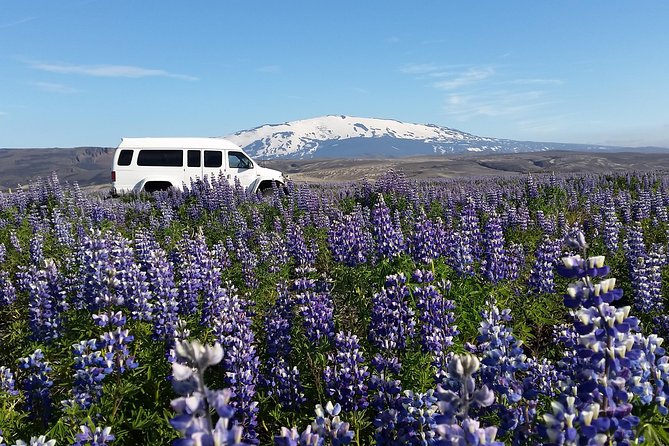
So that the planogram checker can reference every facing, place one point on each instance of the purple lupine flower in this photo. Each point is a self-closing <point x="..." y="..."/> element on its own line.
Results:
<point x="388" y="237"/>
<point x="97" y="274"/>
<point x="459" y="394"/>
<point x="346" y="378"/>
<point x="546" y="223"/>
<point x="131" y="286"/>
<point x="459" y="254"/>
<point x="611" y="362"/>
<point x="290" y="437"/>
<point x="505" y="368"/>
<point x="437" y="322"/>
<point x="36" y="385"/>
<point x="515" y="261"/>
<point x="424" y="243"/>
<point x="249" y="262"/>
<point x="219" y="257"/>
<point x="3" y="252"/>
<point x="317" y="312"/>
<point x="94" y="437"/>
<point x="633" y="243"/>
<point x="642" y="205"/>
<point x="542" y="277"/>
<point x="160" y="276"/>
<point x="35" y="441"/>
<point x="14" y="240"/>
<point x="91" y="366"/>
<point x="391" y="328"/>
<point x="232" y="329"/>
<point x="46" y="301"/>
<point x="612" y="225"/>
<point x="349" y="238"/>
<point x="273" y="251"/>
<point x="280" y="379"/>
<point x="392" y="324"/>
<point x="521" y="218"/>
<point x="63" y="228"/>
<point x="192" y="259"/>
<point x="7" y="290"/>
<point x="661" y="322"/>
<point x="7" y="381"/>
<point x="659" y="208"/>
<point x="215" y="262"/>
<point x="646" y="275"/>
<point x="297" y="247"/>
<point x="413" y="419"/>
<point x="470" y="231"/>
<point x="494" y="265"/>
<point x="469" y="432"/>
<point x="329" y="426"/>
<point x="114" y="343"/>
<point x="196" y="402"/>
<point x="36" y="248"/>
<point x="531" y="186"/>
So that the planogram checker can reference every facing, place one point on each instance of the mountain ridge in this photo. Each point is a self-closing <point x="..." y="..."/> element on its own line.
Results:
<point x="346" y="136"/>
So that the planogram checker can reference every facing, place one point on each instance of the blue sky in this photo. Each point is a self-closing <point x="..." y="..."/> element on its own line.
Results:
<point x="82" y="72"/>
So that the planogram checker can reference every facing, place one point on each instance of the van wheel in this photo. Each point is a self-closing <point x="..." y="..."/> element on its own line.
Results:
<point x="155" y="186"/>
<point x="267" y="192"/>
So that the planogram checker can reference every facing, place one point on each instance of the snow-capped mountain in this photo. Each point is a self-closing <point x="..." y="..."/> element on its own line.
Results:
<point x="347" y="136"/>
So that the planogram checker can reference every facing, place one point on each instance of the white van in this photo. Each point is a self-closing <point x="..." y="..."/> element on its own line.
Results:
<point x="152" y="164"/>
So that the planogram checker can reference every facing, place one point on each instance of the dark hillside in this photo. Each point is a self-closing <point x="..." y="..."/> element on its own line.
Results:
<point x="91" y="166"/>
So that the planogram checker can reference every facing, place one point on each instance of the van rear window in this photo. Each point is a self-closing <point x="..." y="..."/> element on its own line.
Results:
<point x="125" y="157"/>
<point x="165" y="158"/>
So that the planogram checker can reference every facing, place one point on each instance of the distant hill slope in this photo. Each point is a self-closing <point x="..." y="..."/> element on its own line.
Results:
<point x="91" y="167"/>
<point x="86" y="165"/>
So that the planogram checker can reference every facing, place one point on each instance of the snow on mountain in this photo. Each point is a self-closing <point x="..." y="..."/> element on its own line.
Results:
<point x="347" y="136"/>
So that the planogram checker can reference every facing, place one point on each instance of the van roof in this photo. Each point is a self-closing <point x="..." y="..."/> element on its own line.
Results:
<point x="179" y="142"/>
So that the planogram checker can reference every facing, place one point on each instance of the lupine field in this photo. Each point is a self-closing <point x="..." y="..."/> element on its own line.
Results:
<point x="500" y="311"/>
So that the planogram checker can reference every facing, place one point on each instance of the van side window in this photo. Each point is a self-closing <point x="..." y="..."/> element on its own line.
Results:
<point x="125" y="157"/>
<point x="213" y="158"/>
<point x="194" y="158"/>
<point x="167" y="158"/>
<point x="238" y="160"/>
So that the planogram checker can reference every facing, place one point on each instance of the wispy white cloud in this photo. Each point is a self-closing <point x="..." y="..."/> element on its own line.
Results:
<point x="269" y="69"/>
<point x="16" y="22"/>
<point x="419" y="68"/>
<point x="54" y="87"/>
<point x="465" y="78"/>
<point x="433" y="41"/>
<point x="487" y="91"/>
<point x="358" y="90"/>
<point x="496" y="103"/>
<point x="128" y="71"/>
<point x="449" y="73"/>
<point x="536" y="82"/>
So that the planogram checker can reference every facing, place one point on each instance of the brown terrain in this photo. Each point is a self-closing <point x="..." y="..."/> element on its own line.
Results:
<point x="90" y="167"/>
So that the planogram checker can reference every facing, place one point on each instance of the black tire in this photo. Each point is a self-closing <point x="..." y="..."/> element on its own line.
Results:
<point x="155" y="186"/>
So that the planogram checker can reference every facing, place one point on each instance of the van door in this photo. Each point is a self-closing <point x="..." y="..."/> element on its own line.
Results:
<point x="193" y="166"/>
<point x="213" y="164"/>
<point x="240" y="166"/>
